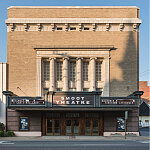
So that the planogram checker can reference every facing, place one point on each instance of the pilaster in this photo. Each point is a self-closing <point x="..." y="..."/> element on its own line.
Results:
<point x="65" y="73"/>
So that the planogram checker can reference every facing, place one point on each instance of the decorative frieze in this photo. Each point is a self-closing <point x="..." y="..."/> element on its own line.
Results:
<point x="25" y="27"/>
<point x="121" y="26"/>
<point x="12" y="26"/>
<point x="39" y="26"/>
<point x="80" y="27"/>
<point x="93" y="26"/>
<point x="53" y="26"/>
<point x="135" y="27"/>
<point x="77" y="27"/>
<point x="66" y="27"/>
<point x="107" y="27"/>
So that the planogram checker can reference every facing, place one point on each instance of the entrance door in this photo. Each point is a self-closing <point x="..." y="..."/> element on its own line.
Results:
<point x="72" y="127"/>
<point x="91" y="127"/>
<point x="49" y="127"/>
<point x="53" y="127"/>
<point x="95" y="127"/>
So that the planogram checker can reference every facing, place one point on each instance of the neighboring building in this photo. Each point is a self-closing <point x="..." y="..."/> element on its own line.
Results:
<point x="144" y="115"/>
<point x="3" y="87"/>
<point x="72" y="69"/>
<point x="143" y="86"/>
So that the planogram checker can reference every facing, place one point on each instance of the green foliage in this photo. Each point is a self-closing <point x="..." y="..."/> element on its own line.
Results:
<point x="2" y="127"/>
<point x="1" y="133"/>
<point x="10" y="133"/>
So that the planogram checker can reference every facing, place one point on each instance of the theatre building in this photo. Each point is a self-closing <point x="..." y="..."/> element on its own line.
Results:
<point x="72" y="70"/>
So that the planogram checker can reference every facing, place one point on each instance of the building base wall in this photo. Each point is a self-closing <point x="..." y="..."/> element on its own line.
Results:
<point x="120" y="133"/>
<point x="28" y="133"/>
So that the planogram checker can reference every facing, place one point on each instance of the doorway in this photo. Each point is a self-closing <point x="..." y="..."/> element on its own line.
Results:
<point x="53" y="127"/>
<point x="72" y="127"/>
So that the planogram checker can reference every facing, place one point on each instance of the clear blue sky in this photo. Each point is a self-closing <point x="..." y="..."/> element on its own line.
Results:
<point x="144" y="28"/>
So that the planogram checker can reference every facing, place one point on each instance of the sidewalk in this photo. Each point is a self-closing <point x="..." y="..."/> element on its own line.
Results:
<point x="74" y="138"/>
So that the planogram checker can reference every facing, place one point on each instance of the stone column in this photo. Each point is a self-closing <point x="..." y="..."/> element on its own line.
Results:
<point x="79" y="74"/>
<point x="65" y="74"/>
<point x="52" y="74"/>
<point x="38" y="77"/>
<point x="92" y="74"/>
<point x="106" y="76"/>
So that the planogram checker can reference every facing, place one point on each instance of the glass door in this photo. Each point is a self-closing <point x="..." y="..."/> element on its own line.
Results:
<point x="68" y="127"/>
<point x="75" y="127"/>
<point x="95" y="127"/>
<point x="88" y="127"/>
<point x="49" y="127"/>
<point x="57" y="127"/>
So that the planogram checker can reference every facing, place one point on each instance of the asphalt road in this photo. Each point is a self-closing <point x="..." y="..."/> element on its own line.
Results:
<point x="74" y="145"/>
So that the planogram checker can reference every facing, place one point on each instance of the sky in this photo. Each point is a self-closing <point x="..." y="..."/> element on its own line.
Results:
<point x="144" y="5"/>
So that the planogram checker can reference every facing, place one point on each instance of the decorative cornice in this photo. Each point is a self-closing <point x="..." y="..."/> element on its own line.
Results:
<point x="73" y="20"/>
<point x="91" y="7"/>
<point x="69" y="47"/>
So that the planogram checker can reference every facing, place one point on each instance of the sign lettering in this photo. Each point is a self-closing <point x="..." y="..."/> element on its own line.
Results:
<point x="73" y="100"/>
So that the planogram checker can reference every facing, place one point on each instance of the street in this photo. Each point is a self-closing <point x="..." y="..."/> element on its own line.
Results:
<point x="75" y="145"/>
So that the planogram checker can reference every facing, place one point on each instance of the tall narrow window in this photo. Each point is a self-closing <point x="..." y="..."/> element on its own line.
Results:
<point x="85" y="71"/>
<point x="46" y="71"/>
<point x="72" y="71"/>
<point x="59" y="71"/>
<point x="98" y="71"/>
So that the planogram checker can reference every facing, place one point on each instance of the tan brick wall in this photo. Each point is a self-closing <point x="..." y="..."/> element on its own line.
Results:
<point x="22" y="57"/>
<point x="73" y="12"/>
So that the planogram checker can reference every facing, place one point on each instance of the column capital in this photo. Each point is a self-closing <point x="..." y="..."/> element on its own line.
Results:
<point x="65" y="58"/>
<point x="81" y="58"/>
<point x="52" y="58"/>
<point x="93" y="58"/>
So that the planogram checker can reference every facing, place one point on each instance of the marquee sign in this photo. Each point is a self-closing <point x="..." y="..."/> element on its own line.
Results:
<point x="73" y="100"/>
<point x="118" y="102"/>
<point x="26" y="101"/>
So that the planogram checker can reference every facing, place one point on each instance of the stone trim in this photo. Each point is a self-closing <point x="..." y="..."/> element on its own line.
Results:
<point x="62" y="47"/>
<point x="72" y="7"/>
<point x="73" y="20"/>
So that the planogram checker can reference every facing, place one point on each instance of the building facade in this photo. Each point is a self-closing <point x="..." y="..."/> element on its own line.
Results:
<point x="143" y="86"/>
<point x="3" y="87"/>
<point x="72" y="69"/>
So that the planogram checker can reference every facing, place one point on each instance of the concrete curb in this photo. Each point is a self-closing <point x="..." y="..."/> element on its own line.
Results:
<point x="75" y="138"/>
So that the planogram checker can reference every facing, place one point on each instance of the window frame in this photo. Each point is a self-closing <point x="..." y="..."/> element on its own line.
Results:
<point x="46" y="73"/>
<point x="98" y="71"/>
<point x="59" y="73"/>
<point x="85" y="73"/>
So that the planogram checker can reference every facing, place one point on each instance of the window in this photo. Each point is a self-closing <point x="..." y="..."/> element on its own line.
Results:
<point x="98" y="89"/>
<point x="85" y="90"/>
<point x="45" y="90"/>
<point x="59" y="28"/>
<point x="59" y="89"/>
<point x="72" y="28"/>
<point x="72" y="71"/>
<point x="85" y="71"/>
<point x="59" y="71"/>
<point x="86" y="28"/>
<point x="98" y="71"/>
<point x="46" y="71"/>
